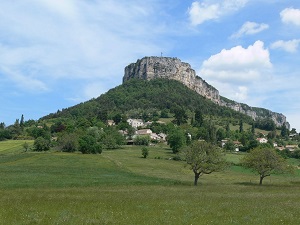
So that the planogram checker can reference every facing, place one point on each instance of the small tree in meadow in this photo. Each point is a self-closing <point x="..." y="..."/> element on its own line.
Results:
<point x="265" y="161"/>
<point x="176" y="140"/>
<point x="26" y="146"/>
<point x="204" y="158"/>
<point x="41" y="144"/>
<point x="145" y="152"/>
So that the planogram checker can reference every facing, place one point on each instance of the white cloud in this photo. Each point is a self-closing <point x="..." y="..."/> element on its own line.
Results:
<point x="235" y="71"/>
<point x="289" y="46"/>
<point x="200" y="12"/>
<point x="238" y="64"/>
<point x="290" y="16"/>
<point x="250" y="28"/>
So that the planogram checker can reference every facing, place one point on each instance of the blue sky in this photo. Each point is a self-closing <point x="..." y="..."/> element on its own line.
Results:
<point x="55" y="54"/>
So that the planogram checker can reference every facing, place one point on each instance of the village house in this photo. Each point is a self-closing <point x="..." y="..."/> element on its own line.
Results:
<point x="155" y="137"/>
<point x="237" y="144"/>
<point x="135" y="123"/>
<point x="163" y="136"/>
<point x="291" y="147"/>
<point x="262" y="140"/>
<point x="144" y="132"/>
<point x="110" y="122"/>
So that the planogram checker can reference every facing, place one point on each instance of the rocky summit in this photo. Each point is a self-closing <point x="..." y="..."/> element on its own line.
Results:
<point x="149" y="68"/>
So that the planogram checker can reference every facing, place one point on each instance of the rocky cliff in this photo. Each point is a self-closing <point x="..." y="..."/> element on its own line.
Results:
<point x="149" y="68"/>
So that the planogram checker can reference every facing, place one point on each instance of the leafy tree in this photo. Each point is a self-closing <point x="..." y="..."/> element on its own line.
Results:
<point x="141" y="140"/>
<point x="57" y="127"/>
<point x="229" y="145"/>
<point x="5" y="134"/>
<point x="41" y="144"/>
<point x="22" y="121"/>
<point x="212" y="131"/>
<point x="145" y="152"/>
<point x="204" y="158"/>
<point x="88" y="144"/>
<point x="164" y="113"/>
<point x="284" y="131"/>
<point x="2" y="125"/>
<point x="227" y="129"/>
<point x="203" y="134"/>
<point x="221" y="134"/>
<point x="293" y="131"/>
<point x="40" y="131"/>
<point x="26" y="146"/>
<point x="176" y="139"/>
<point x="16" y="129"/>
<point x="103" y="115"/>
<point x="253" y="128"/>
<point x="117" y="118"/>
<point x="272" y="134"/>
<point x="198" y="118"/>
<point x="266" y="124"/>
<point x="112" y="138"/>
<point x="180" y="116"/>
<point x="264" y="161"/>
<point x="241" y="126"/>
<point x="68" y="142"/>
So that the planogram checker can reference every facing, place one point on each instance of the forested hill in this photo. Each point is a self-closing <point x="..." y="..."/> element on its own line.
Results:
<point x="136" y="97"/>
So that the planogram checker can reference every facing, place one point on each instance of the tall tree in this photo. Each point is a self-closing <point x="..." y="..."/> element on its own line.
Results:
<point x="2" y="125"/>
<point x="176" y="140"/>
<point x="198" y="118"/>
<point x="253" y="128"/>
<point x="22" y="121"/>
<point x="284" y="131"/>
<point x="241" y="126"/>
<point x="180" y="116"/>
<point x="204" y="158"/>
<point x="265" y="161"/>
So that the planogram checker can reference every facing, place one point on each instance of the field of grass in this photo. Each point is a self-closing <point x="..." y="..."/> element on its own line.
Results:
<point x="11" y="146"/>
<point x="121" y="187"/>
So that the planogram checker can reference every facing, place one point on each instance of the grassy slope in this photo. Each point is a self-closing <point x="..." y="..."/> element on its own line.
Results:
<point x="120" y="187"/>
<point x="12" y="146"/>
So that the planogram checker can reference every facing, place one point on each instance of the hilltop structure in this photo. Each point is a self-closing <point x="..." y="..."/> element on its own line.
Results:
<point x="149" y="68"/>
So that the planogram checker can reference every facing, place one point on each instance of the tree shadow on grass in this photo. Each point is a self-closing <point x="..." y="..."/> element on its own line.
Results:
<point x="267" y="184"/>
<point x="247" y="183"/>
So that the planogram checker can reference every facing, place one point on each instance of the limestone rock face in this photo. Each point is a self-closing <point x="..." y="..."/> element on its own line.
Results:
<point x="149" y="68"/>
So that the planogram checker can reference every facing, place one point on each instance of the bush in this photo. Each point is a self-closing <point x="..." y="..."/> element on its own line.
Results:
<point x="89" y="145"/>
<point x="145" y="152"/>
<point x="68" y="143"/>
<point x="177" y="157"/>
<point x="41" y="144"/>
<point x="141" y="140"/>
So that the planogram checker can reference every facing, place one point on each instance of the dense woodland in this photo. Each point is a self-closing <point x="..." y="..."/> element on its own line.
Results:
<point x="187" y="116"/>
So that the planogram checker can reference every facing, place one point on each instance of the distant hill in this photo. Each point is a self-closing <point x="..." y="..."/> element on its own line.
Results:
<point x="137" y="96"/>
<point x="149" y="68"/>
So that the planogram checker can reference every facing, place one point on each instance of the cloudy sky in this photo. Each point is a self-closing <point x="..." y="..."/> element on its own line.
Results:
<point x="55" y="54"/>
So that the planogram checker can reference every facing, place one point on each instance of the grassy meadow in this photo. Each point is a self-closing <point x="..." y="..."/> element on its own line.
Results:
<point x="121" y="187"/>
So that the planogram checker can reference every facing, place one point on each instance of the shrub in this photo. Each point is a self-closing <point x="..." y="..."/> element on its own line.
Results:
<point x="88" y="144"/>
<point x="145" y="152"/>
<point x="41" y="144"/>
<point x="68" y="143"/>
<point x="142" y="140"/>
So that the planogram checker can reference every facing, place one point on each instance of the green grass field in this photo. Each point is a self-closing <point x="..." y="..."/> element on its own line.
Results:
<point x="121" y="187"/>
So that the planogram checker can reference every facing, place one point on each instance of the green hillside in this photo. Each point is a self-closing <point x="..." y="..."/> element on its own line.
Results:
<point x="137" y="96"/>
